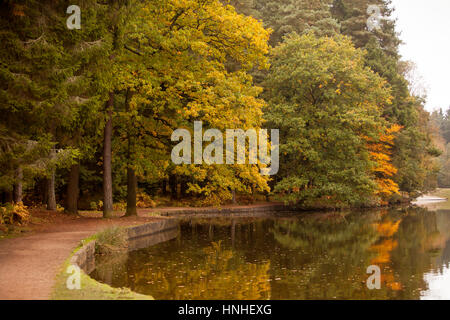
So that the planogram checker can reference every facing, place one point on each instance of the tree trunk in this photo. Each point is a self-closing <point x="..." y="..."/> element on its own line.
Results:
<point x="131" y="192"/>
<point x="107" y="158"/>
<point x="73" y="189"/>
<point x="18" y="188"/>
<point x="51" y="198"/>
<point x="253" y="193"/>
<point x="183" y="188"/>
<point x="164" y="187"/>
<point x="173" y="183"/>
<point x="233" y="193"/>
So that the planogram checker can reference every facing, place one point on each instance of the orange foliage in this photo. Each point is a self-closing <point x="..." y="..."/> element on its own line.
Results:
<point x="380" y="153"/>
<point x="389" y="280"/>
<point x="386" y="230"/>
<point x="18" y="10"/>
<point x="384" y="251"/>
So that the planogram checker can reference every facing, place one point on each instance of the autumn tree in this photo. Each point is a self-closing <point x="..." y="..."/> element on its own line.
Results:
<point x="441" y="124"/>
<point x="325" y="101"/>
<point x="371" y="27"/>
<point x="179" y="76"/>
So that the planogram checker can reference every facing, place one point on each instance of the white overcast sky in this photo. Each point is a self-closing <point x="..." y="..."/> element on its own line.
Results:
<point x="425" y="31"/>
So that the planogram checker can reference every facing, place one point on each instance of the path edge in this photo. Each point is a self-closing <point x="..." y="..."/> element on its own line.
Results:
<point x="83" y="258"/>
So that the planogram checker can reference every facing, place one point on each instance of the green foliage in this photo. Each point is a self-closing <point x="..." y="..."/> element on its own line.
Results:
<point x="411" y="153"/>
<point x="441" y="123"/>
<point x="353" y="16"/>
<point x="324" y="100"/>
<point x="286" y="16"/>
<point x="46" y="86"/>
<point x="165" y="64"/>
<point x="96" y="206"/>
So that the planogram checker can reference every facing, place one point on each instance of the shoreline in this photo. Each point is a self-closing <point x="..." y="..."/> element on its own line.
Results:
<point x="30" y="262"/>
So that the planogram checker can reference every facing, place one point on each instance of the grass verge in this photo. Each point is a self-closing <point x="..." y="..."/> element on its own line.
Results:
<point x="442" y="193"/>
<point x="90" y="288"/>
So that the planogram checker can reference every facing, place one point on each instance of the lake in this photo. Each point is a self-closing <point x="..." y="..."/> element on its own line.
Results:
<point x="302" y="256"/>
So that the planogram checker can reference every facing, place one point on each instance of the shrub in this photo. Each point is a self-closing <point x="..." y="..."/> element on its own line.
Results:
<point x="12" y="213"/>
<point x="96" y="206"/>
<point x="144" y="201"/>
<point x="119" y="206"/>
<point x="110" y="240"/>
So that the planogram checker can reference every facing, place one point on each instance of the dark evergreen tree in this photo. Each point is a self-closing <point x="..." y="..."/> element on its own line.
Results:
<point x="413" y="148"/>
<point x="286" y="16"/>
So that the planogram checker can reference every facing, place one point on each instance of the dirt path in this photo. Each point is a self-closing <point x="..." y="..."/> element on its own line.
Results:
<point x="28" y="264"/>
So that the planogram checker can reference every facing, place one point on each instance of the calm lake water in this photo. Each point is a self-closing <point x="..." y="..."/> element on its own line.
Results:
<point x="307" y="256"/>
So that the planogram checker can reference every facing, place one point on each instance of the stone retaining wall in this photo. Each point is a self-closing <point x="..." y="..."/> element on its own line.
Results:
<point x="245" y="211"/>
<point x="151" y="228"/>
<point x="155" y="232"/>
<point x="138" y="237"/>
<point x="84" y="258"/>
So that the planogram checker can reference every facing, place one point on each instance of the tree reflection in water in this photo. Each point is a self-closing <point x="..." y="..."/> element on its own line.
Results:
<point x="307" y="256"/>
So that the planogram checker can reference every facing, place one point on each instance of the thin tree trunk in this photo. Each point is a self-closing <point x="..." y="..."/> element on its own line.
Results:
<point x="173" y="186"/>
<point x="164" y="187"/>
<point x="18" y="188"/>
<point x="233" y="193"/>
<point x="253" y="193"/>
<point x="183" y="188"/>
<point x="73" y="189"/>
<point x="131" y="192"/>
<point x="51" y="198"/>
<point x="107" y="158"/>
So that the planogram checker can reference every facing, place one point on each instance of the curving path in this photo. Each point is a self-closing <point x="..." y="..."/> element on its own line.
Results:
<point x="28" y="264"/>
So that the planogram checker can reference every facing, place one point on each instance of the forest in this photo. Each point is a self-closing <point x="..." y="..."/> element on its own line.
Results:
<point x="87" y="113"/>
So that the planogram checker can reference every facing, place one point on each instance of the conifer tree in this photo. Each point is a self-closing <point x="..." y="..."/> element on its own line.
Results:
<point x="413" y="148"/>
<point x="287" y="16"/>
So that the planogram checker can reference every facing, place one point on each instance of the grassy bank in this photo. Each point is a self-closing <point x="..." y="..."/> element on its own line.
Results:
<point x="90" y="288"/>
<point x="442" y="193"/>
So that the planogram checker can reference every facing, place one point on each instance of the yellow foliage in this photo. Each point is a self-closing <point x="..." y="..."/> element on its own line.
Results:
<point x="11" y="213"/>
<point x="144" y="201"/>
<point x="119" y="206"/>
<point x="198" y="85"/>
